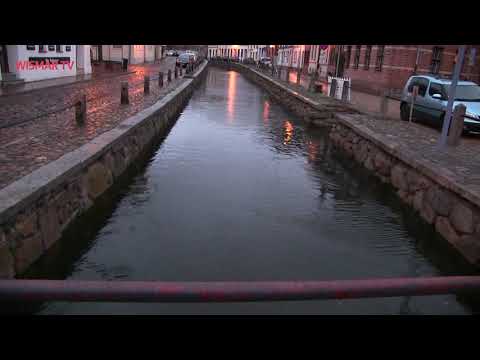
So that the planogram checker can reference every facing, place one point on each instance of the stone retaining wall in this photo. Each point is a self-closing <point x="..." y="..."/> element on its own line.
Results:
<point x="35" y="210"/>
<point x="454" y="217"/>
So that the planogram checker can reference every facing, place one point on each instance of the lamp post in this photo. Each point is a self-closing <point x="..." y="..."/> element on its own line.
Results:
<point x="451" y="97"/>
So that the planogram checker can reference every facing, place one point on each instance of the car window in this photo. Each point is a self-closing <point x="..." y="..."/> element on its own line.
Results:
<point x="422" y="84"/>
<point x="436" y="88"/>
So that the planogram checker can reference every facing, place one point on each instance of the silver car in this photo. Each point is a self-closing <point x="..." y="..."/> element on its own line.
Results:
<point x="431" y="103"/>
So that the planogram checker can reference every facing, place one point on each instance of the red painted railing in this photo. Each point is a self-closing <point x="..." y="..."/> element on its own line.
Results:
<point x="155" y="291"/>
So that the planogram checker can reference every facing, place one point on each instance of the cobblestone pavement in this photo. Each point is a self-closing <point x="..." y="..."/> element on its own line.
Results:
<point x="26" y="147"/>
<point x="461" y="162"/>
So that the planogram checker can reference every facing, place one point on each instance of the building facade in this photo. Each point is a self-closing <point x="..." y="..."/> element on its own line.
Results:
<point x="136" y="54"/>
<point x="294" y="56"/>
<point x="319" y="59"/>
<point x="234" y="52"/>
<point x="19" y="63"/>
<point x="378" y="68"/>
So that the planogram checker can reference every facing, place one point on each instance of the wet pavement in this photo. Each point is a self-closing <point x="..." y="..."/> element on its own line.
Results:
<point x="243" y="190"/>
<point x="44" y="138"/>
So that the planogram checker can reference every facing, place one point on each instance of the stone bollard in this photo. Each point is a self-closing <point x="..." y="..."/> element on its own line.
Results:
<point x="181" y="72"/>
<point x="333" y="88"/>
<point x="160" y="79"/>
<point x="81" y="110"/>
<point x="146" y="84"/>
<point x="345" y="88"/>
<point x="175" y="73"/>
<point x="384" y="103"/>
<point x="169" y="76"/>
<point x="456" y="125"/>
<point x="124" y="93"/>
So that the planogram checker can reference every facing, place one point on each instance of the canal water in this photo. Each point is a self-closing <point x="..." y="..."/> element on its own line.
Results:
<point x="242" y="190"/>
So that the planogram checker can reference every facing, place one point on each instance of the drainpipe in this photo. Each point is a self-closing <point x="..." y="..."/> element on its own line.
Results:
<point x="416" y="61"/>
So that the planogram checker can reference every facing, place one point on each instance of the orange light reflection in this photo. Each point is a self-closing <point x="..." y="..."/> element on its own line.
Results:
<point x="288" y="132"/>
<point x="232" y="88"/>
<point x="266" y="111"/>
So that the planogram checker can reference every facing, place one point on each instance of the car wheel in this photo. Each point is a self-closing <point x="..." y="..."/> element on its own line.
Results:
<point x="404" y="112"/>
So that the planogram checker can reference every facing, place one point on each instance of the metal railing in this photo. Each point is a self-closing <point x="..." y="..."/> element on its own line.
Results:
<point x="235" y="291"/>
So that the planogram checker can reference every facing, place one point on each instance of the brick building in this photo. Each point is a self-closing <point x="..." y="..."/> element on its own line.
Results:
<point x="376" y="68"/>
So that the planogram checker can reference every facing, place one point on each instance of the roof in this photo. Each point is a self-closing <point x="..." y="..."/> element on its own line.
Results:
<point x="443" y="80"/>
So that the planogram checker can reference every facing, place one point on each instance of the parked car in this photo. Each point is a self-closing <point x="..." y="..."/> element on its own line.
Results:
<point x="184" y="59"/>
<point x="431" y="103"/>
<point x="265" y="61"/>
<point x="170" y="53"/>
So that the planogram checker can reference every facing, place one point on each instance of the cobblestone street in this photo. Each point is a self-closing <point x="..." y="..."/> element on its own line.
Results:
<point x="27" y="146"/>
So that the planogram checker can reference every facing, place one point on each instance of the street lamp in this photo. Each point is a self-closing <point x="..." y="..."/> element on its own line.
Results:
<point x="451" y="97"/>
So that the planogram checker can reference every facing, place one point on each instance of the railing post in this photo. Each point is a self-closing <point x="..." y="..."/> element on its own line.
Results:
<point x="160" y="79"/>
<point x="456" y="127"/>
<point x="175" y="72"/>
<point x="346" y="85"/>
<point x="299" y="76"/>
<point x="81" y="110"/>
<point x="146" y="84"/>
<point x="169" y="75"/>
<point x="181" y="72"/>
<point x="384" y="103"/>
<point x="333" y="87"/>
<point x="124" y="93"/>
<point x="412" y="103"/>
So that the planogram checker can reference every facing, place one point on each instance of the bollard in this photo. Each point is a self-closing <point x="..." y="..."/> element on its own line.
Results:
<point x="169" y="76"/>
<point x="181" y="72"/>
<point x="299" y="76"/>
<point x="412" y="104"/>
<point x="333" y="88"/>
<point x="175" y="73"/>
<point x="346" y="86"/>
<point x="384" y="103"/>
<point x="146" y="84"/>
<point x="124" y="93"/>
<point x="160" y="79"/>
<point x="81" y="110"/>
<point x="456" y="125"/>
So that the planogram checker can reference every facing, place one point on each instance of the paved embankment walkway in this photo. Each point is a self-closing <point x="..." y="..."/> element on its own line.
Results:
<point x="44" y="132"/>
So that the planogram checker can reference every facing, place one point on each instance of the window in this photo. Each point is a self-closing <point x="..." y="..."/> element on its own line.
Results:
<point x="422" y="84"/>
<point x="436" y="60"/>
<point x="118" y="46"/>
<point x="41" y="48"/>
<point x="51" y="47"/>
<point x="30" y="47"/>
<point x="436" y="88"/>
<point x="368" y="51"/>
<point x="356" y="60"/>
<point x="68" y="48"/>
<point x="348" y="55"/>
<point x="473" y="52"/>
<point x="58" y="48"/>
<point x="379" y="62"/>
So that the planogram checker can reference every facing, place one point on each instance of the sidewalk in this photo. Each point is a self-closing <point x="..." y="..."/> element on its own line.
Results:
<point x="27" y="146"/>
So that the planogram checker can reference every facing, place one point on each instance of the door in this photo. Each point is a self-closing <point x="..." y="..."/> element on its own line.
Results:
<point x="436" y="105"/>
<point x="3" y="59"/>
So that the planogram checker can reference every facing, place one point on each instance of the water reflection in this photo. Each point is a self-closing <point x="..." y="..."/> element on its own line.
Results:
<point x="266" y="111"/>
<point x="287" y="125"/>
<point x="232" y="90"/>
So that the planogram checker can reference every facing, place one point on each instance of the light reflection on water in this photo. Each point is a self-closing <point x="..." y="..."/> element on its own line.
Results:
<point x="242" y="190"/>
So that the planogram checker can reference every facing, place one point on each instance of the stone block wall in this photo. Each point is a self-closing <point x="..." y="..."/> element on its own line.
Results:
<point x="455" y="218"/>
<point x="32" y="225"/>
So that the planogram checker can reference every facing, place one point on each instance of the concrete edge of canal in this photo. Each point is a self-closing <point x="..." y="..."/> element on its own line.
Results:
<point x="450" y="207"/>
<point x="36" y="209"/>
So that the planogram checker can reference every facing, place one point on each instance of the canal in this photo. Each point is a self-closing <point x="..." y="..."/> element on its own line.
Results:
<point x="240" y="189"/>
